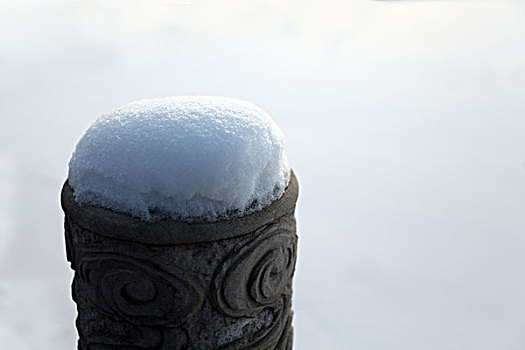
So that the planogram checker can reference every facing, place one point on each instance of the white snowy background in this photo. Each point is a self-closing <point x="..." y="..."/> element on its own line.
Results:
<point x="405" y="123"/>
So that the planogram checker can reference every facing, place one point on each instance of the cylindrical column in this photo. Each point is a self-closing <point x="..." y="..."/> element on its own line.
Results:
<point x="177" y="285"/>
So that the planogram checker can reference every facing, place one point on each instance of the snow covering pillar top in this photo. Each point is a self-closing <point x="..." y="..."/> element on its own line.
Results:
<point x="180" y="226"/>
<point x="187" y="158"/>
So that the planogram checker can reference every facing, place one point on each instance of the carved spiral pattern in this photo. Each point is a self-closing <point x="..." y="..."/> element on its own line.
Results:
<point x="257" y="274"/>
<point x="254" y="280"/>
<point x="137" y="291"/>
<point x="126" y="301"/>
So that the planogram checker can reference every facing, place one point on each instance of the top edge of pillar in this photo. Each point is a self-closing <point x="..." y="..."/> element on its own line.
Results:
<point x="112" y="224"/>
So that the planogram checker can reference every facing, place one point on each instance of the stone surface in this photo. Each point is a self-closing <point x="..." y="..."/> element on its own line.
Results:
<point x="174" y="285"/>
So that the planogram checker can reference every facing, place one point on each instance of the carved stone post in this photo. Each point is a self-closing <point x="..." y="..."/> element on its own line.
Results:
<point x="175" y="285"/>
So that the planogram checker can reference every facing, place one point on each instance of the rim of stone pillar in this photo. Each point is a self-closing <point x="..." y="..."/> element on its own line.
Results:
<point x="126" y="227"/>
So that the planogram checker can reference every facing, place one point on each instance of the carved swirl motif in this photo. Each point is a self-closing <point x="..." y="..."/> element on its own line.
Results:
<point x="254" y="280"/>
<point x="135" y="290"/>
<point x="257" y="274"/>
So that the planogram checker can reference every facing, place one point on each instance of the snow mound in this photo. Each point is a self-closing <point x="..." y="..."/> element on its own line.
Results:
<point x="189" y="158"/>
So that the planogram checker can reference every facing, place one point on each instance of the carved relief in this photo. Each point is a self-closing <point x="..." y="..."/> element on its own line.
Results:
<point x="136" y="290"/>
<point x="256" y="274"/>
<point x="256" y="279"/>
<point x="139" y="304"/>
<point x="126" y="300"/>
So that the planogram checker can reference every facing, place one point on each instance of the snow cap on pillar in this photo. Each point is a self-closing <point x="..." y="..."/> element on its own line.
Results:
<point x="188" y="158"/>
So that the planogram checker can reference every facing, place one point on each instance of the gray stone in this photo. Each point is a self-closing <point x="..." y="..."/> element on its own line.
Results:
<point x="177" y="285"/>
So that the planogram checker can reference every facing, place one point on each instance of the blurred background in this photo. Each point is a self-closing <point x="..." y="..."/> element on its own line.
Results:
<point x="405" y="123"/>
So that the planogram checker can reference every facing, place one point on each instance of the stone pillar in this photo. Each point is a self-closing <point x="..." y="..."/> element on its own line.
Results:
<point x="176" y="285"/>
